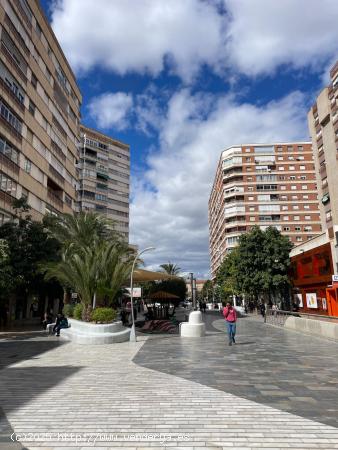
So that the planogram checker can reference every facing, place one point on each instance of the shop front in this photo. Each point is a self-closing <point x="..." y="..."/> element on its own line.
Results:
<point x="311" y="274"/>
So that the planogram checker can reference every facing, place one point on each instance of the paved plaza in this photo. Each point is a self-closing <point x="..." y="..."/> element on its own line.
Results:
<point x="275" y="389"/>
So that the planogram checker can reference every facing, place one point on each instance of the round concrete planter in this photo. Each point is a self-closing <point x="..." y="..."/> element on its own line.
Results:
<point x="95" y="334"/>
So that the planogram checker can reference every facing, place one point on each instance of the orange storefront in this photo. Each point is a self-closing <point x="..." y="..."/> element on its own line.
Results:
<point x="311" y="274"/>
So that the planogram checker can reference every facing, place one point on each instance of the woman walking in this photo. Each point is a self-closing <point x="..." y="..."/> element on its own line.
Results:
<point x="230" y="315"/>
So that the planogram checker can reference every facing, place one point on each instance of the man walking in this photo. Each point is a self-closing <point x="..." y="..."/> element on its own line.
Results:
<point x="230" y="315"/>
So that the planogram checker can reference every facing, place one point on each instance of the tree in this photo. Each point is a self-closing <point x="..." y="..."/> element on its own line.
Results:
<point x="207" y="289"/>
<point x="95" y="262"/>
<point x="170" y="269"/>
<point x="258" y="267"/>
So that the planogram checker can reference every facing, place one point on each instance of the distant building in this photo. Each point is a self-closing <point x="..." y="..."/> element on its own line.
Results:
<point x="263" y="185"/>
<point x="104" y="171"/>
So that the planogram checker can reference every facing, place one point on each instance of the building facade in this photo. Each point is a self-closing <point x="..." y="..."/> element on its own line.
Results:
<point x="323" y="125"/>
<point x="263" y="185"/>
<point x="104" y="171"/>
<point x="39" y="114"/>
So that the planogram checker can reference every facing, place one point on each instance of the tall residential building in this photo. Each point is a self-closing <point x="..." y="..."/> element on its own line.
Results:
<point x="39" y="113"/>
<point x="264" y="185"/>
<point x="104" y="171"/>
<point x="323" y="125"/>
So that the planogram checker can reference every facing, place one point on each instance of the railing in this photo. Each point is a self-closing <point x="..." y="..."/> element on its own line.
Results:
<point x="278" y="317"/>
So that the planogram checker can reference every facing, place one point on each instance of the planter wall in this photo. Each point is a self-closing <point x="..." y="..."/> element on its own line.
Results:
<point x="95" y="334"/>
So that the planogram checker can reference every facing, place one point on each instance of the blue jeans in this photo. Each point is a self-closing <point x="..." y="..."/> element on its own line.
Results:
<point x="231" y="331"/>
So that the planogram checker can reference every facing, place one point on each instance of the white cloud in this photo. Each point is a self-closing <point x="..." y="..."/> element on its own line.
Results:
<point x="129" y="35"/>
<point x="111" y="110"/>
<point x="253" y="37"/>
<point x="173" y="215"/>
<point x="265" y="34"/>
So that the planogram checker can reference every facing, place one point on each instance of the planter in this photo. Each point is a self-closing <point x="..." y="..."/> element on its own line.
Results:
<point x="95" y="334"/>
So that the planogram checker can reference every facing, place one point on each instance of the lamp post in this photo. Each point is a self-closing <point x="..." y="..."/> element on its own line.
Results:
<point x="132" y="331"/>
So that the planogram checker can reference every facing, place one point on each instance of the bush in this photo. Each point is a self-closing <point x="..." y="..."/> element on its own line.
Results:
<point x="77" y="312"/>
<point x="103" y="315"/>
<point x="68" y="310"/>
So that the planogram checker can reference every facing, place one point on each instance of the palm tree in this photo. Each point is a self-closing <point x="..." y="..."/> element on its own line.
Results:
<point x="95" y="262"/>
<point x="171" y="269"/>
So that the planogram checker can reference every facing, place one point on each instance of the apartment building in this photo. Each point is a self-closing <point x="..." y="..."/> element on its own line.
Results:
<point x="104" y="171"/>
<point x="39" y="114"/>
<point x="264" y="185"/>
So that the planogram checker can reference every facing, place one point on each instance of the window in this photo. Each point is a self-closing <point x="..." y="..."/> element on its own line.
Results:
<point x="300" y="158"/>
<point x="252" y="219"/>
<point x="283" y="188"/>
<point x="250" y="188"/>
<point x="299" y="238"/>
<point x="289" y="148"/>
<point x="292" y="177"/>
<point x="307" y="217"/>
<point x="10" y="117"/>
<point x="306" y="206"/>
<point x="293" y="187"/>
<point x="297" y="228"/>
<point x="282" y="177"/>
<point x="300" y="148"/>
<point x="27" y="166"/>
<point x="295" y="207"/>
<point x="291" y="167"/>
<point x="307" y="228"/>
<point x="285" y="207"/>
<point x="251" y="198"/>
<point x="286" y="218"/>
<point x="305" y="197"/>
<point x="8" y="150"/>
<point x="296" y="218"/>
<point x="303" y="177"/>
<point x="294" y="197"/>
<point x="29" y="136"/>
<point x="291" y="158"/>
<point x="284" y="197"/>
<point x="247" y="150"/>
<point x="68" y="200"/>
<point x="328" y="216"/>
<point x="280" y="158"/>
<point x="7" y="184"/>
<point x="286" y="228"/>
<point x="34" y="81"/>
<point x="248" y="159"/>
<point x="279" y="149"/>
<point x="281" y="168"/>
<point x="304" y="187"/>
<point x="31" y="107"/>
<point x="24" y="193"/>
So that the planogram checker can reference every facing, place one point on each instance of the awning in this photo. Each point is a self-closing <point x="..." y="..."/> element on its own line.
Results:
<point x="148" y="275"/>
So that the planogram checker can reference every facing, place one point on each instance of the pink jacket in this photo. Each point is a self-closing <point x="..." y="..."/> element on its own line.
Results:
<point x="229" y="314"/>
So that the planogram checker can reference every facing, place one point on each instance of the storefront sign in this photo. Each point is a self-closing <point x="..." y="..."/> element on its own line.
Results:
<point x="311" y="300"/>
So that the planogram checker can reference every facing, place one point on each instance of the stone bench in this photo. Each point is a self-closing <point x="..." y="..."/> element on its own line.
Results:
<point x="195" y="327"/>
<point x="95" y="334"/>
<point x="320" y="328"/>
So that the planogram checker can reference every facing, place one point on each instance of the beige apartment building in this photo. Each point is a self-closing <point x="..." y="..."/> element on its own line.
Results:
<point x="323" y="125"/>
<point x="104" y="171"/>
<point x="264" y="185"/>
<point x="39" y="114"/>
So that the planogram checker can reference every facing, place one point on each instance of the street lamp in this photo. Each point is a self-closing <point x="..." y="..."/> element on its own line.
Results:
<point x="132" y="331"/>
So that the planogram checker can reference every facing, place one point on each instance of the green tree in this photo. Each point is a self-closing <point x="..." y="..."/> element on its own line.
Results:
<point x="95" y="262"/>
<point x="207" y="290"/>
<point x="170" y="269"/>
<point x="227" y="277"/>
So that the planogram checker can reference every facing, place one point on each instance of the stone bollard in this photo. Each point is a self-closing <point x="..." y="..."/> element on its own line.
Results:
<point x="195" y="327"/>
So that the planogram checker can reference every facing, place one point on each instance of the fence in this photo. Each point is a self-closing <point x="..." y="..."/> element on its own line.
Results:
<point x="278" y="316"/>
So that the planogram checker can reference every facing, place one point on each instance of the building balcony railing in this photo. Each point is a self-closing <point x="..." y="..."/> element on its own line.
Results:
<point x="17" y="35"/>
<point x="13" y="132"/>
<point x="13" y="63"/>
<point x="23" y="14"/>
<point x="57" y="151"/>
<point x="8" y="90"/>
<point x="55" y="199"/>
<point x="56" y="175"/>
<point x="9" y="164"/>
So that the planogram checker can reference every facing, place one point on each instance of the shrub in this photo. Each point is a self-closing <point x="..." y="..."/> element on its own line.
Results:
<point x="103" y="315"/>
<point x="68" y="310"/>
<point x="77" y="312"/>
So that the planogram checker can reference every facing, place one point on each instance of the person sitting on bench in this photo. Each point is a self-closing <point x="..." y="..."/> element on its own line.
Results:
<point x="61" y="322"/>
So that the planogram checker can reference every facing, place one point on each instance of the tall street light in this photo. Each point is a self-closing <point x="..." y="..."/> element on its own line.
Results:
<point x="132" y="331"/>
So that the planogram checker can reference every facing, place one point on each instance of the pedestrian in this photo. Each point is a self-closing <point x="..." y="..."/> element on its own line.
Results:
<point x="61" y="322"/>
<point x="262" y="309"/>
<point x="230" y="315"/>
<point x="204" y="306"/>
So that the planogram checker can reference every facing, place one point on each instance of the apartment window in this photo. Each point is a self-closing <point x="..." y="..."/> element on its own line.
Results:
<point x="248" y="159"/>
<point x="304" y="187"/>
<point x="9" y="117"/>
<point x="300" y="158"/>
<point x="289" y="148"/>
<point x="302" y="167"/>
<point x="27" y="166"/>
<point x="324" y="182"/>
<point x="68" y="200"/>
<point x="292" y="177"/>
<point x="286" y="218"/>
<point x="296" y="218"/>
<point x="297" y="228"/>
<point x="300" y="148"/>
<point x="282" y="177"/>
<point x="279" y="149"/>
<point x="280" y="158"/>
<point x="303" y="177"/>
<point x="281" y="168"/>
<point x="306" y="206"/>
<point x="307" y="217"/>
<point x="248" y="169"/>
<point x="7" y="150"/>
<point x="294" y="197"/>
<point x="252" y="219"/>
<point x="248" y="178"/>
<point x="291" y="167"/>
<point x="7" y="184"/>
<point x="291" y="158"/>
<point x="328" y="216"/>
<point x="251" y="198"/>
<point x="283" y="188"/>
<point x="307" y="228"/>
<point x="251" y="209"/>
<point x="299" y="238"/>
<point x="293" y="187"/>
<point x="295" y="207"/>
<point x="250" y="188"/>
<point x="247" y="150"/>
<point x="34" y="81"/>
<point x="38" y="30"/>
<point x="285" y="208"/>
<point x="24" y="193"/>
<point x="284" y="197"/>
<point x="286" y="228"/>
<point x="31" y="107"/>
<point x="305" y="197"/>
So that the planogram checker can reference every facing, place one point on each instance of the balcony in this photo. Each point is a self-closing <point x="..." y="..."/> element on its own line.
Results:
<point x="57" y="151"/>
<point x="9" y="91"/>
<point x="56" y="175"/>
<point x="236" y="198"/>
<point x="9" y="164"/>
<point x="12" y="62"/>
<point x="55" y="198"/>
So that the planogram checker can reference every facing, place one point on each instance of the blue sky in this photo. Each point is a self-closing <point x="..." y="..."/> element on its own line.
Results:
<point x="179" y="81"/>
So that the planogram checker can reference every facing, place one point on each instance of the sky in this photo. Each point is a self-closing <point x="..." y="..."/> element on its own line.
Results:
<point x="182" y="80"/>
